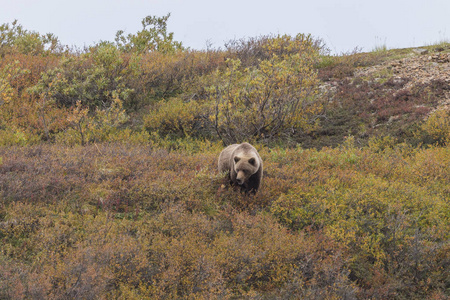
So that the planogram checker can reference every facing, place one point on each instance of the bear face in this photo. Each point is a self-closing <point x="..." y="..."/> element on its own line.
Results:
<point x="245" y="166"/>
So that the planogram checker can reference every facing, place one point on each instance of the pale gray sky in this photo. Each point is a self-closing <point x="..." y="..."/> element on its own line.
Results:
<point x="342" y="24"/>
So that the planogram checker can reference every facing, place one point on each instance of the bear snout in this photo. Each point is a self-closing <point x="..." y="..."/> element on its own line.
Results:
<point x="240" y="178"/>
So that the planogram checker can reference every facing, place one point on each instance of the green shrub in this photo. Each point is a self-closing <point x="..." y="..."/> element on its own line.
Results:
<point x="437" y="126"/>
<point x="152" y="37"/>
<point x="10" y="136"/>
<point x="94" y="78"/>
<point x="14" y="38"/>
<point x="177" y="118"/>
<point x="102" y="125"/>
<point x="251" y="51"/>
<point x="268" y="101"/>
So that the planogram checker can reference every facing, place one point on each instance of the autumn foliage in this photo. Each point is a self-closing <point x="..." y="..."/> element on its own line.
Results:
<point x="109" y="186"/>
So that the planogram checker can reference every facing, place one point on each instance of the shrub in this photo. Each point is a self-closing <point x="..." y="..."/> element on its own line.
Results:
<point x="93" y="78"/>
<point x="271" y="100"/>
<point x="177" y="118"/>
<point x="156" y="76"/>
<point x="252" y="51"/>
<point x="152" y="37"/>
<point x="14" y="38"/>
<point x="100" y="126"/>
<point x="10" y="136"/>
<point x="437" y="126"/>
<point x="20" y="111"/>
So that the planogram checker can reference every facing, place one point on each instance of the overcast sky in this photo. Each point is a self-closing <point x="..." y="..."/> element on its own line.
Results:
<point x="342" y="24"/>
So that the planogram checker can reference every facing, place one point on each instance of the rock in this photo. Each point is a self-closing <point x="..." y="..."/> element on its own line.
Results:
<point x="441" y="58"/>
<point x="420" y="51"/>
<point x="398" y="80"/>
<point x="392" y="119"/>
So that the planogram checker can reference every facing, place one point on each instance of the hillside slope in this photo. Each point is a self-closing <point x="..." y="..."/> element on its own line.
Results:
<point x="383" y="93"/>
<point x="109" y="187"/>
<point x="137" y="222"/>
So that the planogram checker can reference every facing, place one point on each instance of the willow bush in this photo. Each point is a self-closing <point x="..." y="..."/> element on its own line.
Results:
<point x="272" y="99"/>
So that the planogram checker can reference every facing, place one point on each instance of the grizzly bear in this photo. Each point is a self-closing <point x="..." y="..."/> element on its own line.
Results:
<point x="244" y="166"/>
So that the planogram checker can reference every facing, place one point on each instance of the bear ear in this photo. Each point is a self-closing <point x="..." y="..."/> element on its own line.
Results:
<point x="236" y="159"/>
<point x="252" y="161"/>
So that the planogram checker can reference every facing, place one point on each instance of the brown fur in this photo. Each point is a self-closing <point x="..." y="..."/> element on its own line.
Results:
<point x="244" y="166"/>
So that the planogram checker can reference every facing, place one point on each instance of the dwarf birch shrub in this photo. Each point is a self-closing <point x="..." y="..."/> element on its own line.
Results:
<point x="437" y="126"/>
<point x="387" y="206"/>
<point x="102" y="125"/>
<point x="176" y="118"/>
<point x="251" y="51"/>
<point x="17" y="120"/>
<point x="14" y="38"/>
<point x="93" y="77"/>
<point x="152" y="38"/>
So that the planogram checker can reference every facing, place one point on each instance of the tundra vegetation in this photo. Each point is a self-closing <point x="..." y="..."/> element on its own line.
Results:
<point x="109" y="186"/>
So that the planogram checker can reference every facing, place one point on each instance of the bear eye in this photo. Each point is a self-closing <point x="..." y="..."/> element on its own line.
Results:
<point x="236" y="159"/>
<point x="251" y="161"/>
